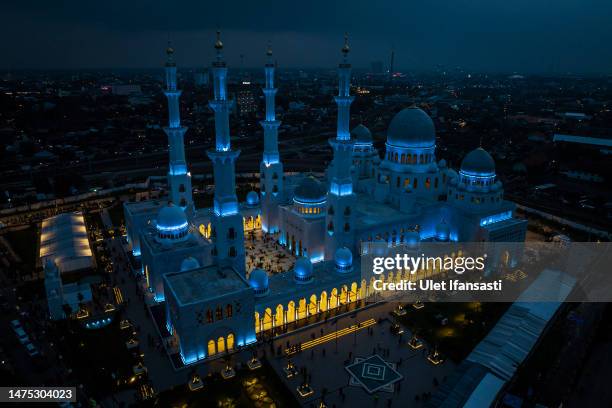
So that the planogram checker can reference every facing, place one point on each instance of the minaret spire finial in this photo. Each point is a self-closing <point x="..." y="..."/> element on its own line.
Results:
<point x="218" y="43"/>
<point x="269" y="49"/>
<point x="346" y="48"/>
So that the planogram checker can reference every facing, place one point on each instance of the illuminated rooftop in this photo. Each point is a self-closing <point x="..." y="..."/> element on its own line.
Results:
<point x="64" y="239"/>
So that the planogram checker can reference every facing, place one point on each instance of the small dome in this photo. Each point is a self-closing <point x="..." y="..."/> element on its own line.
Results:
<point x="362" y="134"/>
<point x="189" y="263"/>
<point x="442" y="231"/>
<point x="442" y="163"/>
<point x="310" y="189"/>
<point x="412" y="128"/>
<point x="343" y="258"/>
<point x="478" y="162"/>
<point x="302" y="270"/>
<point x="252" y="198"/>
<point x="171" y="218"/>
<point x="258" y="279"/>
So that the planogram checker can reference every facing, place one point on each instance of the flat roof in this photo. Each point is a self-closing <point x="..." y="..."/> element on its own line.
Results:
<point x="596" y="141"/>
<point x="63" y="238"/>
<point x="485" y="392"/>
<point x="204" y="283"/>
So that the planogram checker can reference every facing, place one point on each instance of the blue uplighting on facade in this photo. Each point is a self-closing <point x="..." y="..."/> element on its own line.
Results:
<point x="492" y="219"/>
<point x="226" y="209"/>
<point x="341" y="189"/>
<point x="171" y="228"/>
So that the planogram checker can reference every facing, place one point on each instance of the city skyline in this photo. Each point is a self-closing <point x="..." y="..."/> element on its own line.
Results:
<point x="476" y="35"/>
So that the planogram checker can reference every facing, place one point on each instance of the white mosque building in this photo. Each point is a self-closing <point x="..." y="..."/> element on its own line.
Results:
<point x="193" y="259"/>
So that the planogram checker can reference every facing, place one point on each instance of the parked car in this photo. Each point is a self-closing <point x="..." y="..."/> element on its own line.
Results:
<point x="32" y="351"/>
<point x="21" y="335"/>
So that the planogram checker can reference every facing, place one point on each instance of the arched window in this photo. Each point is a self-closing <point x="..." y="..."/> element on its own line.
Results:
<point x="229" y="311"/>
<point x="330" y="226"/>
<point x="181" y="188"/>
<point x="219" y="313"/>
<point x="232" y="251"/>
<point x="347" y="227"/>
<point x="406" y="182"/>
<point x="427" y="182"/>
<point x="275" y="189"/>
<point x="415" y="183"/>
<point x="331" y="210"/>
<point x="231" y="233"/>
<point x="396" y="157"/>
<point x="403" y="158"/>
<point x="209" y="316"/>
<point x="347" y="211"/>
<point x="397" y="182"/>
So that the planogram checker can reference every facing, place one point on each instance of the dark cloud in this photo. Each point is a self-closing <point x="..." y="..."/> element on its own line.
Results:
<point x="517" y="35"/>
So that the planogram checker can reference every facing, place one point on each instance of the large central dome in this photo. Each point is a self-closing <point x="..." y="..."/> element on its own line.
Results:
<point x="412" y="128"/>
<point x="310" y="189"/>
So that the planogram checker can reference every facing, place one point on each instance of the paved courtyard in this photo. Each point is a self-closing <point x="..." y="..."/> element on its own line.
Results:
<point x="328" y="365"/>
<point x="263" y="251"/>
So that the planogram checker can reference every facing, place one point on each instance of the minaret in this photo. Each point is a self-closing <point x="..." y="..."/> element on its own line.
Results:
<point x="271" y="169"/>
<point x="228" y="229"/>
<point x="340" y="199"/>
<point x="179" y="178"/>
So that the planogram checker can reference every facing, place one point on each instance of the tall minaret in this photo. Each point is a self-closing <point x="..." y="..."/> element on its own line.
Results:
<point x="228" y="229"/>
<point x="340" y="199"/>
<point x="179" y="178"/>
<point x="271" y="169"/>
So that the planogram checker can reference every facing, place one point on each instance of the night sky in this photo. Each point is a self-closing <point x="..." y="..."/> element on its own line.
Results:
<point x="480" y="35"/>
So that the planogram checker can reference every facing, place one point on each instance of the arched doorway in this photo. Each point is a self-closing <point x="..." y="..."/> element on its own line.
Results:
<point x="230" y="341"/>
<point x="211" y="348"/>
<point x="267" y="319"/>
<point x="312" y="306"/>
<point x="343" y="295"/>
<point x="257" y="323"/>
<point x="353" y="292"/>
<point x="291" y="312"/>
<point x="333" y="299"/>
<point x="279" y="316"/>
<point x="323" y="301"/>
<point x="220" y="345"/>
<point x="302" y="309"/>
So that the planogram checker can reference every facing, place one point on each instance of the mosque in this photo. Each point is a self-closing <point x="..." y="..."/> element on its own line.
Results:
<point x="193" y="259"/>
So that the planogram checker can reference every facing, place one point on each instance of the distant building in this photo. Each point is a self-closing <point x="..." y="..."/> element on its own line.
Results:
<point x="245" y="99"/>
<point x="125" y="89"/>
<point x="202" y="77"/>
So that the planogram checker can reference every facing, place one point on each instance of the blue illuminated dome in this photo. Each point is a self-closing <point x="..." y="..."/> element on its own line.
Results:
<point x="172" y="223"/>
<point x="310" y="190"/>
<point x="412" y="128"/>
<point x="362" y="134"/>
<point x="343" y="258"/>
<point x="303" y="270"/>
<point x="252" y="199"/>
<point x="189" y="263"/>
<point x="258" y="279"/>
<point x="442" y="231"/>
<point x="478" y="162"/>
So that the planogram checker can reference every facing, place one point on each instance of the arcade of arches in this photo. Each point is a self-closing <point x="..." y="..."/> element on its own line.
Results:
<point x="249" y="223"/>
<point x="220" y="345"/>
<point x="281" y="315"/>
